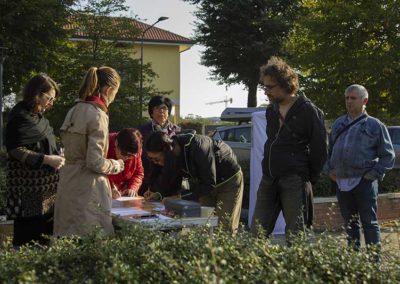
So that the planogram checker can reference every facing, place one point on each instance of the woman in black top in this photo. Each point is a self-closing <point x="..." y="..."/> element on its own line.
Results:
<point x="33" y="164"/>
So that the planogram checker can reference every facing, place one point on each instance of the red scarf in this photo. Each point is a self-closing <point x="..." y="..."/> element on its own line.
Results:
<point x="97" y="101"/>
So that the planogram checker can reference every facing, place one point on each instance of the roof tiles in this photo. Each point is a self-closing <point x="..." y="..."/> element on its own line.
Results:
<point x="154" y="34"/>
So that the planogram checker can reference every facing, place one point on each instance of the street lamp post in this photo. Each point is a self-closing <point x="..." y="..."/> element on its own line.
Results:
<point x="141" y="65"/>
<point x="2" y="57"/>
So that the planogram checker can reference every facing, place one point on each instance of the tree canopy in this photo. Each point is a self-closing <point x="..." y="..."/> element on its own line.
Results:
<point x="31" y="31"/>
<point x="100" y="46"/>
<point x="338" y="43"/>
<point x="65" y="38"/>
<point x="240" y="36"/>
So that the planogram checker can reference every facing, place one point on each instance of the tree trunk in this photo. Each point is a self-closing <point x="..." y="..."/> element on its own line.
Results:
<point x="252" y="94"/>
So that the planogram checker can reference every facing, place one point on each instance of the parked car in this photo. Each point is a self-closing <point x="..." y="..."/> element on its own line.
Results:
<point x="238" y="137"/>
<point x="394" y="132"/>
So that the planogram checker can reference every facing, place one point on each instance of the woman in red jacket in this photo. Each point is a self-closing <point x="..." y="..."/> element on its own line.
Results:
<point x="126" y="145"/>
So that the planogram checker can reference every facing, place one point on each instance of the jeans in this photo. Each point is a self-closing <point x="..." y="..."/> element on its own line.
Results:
<point x="286" y="193"/>
<point x="358" y="204"/>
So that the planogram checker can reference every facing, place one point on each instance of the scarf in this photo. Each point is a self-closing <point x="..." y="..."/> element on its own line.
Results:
<point x="98" y="101"/>
<point x="25" y="128"/>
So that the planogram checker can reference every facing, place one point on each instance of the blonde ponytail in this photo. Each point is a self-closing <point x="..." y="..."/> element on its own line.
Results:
<point x="97" y="78"/>
<point x="89" y="84"/>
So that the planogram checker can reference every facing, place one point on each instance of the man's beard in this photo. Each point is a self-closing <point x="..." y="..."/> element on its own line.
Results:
<point x="275" y="100"/>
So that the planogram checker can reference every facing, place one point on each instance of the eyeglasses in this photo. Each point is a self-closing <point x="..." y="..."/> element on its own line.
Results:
<point x="267" y="88"/>
<point x="156" y="159"/>
<point x="49" y="98"/>
<point x="160" y="108"/>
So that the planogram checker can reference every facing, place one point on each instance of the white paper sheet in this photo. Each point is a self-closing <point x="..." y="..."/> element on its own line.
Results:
<point x="128" y="198"/>
<point x="124" y="211"/>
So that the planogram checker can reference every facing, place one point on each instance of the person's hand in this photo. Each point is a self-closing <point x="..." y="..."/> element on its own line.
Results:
<point x="147" y="194"/>
<point x="54" y="161"/>
<point x="130" y="192"/>
<point x="114" y="192"/>
<point x="152" y="196"/>
<point x="369" y="176"/>
<point x="173" y="197"/>
<point x="332" y="176"/>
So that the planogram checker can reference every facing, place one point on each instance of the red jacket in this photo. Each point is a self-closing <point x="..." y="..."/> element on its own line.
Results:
<point x="132" y="176"/>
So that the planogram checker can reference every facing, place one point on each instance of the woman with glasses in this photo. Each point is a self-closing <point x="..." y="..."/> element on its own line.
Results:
<point x="159" y="108"/>
<point x="127" y="146"/>
<point x="214" y="174"/>
<point x="33" y="164"/>
<point x="84" y="193"/>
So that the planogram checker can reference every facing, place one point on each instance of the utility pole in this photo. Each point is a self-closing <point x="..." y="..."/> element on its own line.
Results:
<point x="141" y="64"/>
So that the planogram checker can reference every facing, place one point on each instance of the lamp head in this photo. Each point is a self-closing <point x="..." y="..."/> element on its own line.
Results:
<point x="162" y="19"/>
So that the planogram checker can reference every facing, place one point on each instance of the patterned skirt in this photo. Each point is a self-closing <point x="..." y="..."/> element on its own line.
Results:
<point x="30" y="192"/>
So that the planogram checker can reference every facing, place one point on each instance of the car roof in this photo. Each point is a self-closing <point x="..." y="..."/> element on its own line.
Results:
<point x="239" y="114"/>
<point x="219" y="128"/>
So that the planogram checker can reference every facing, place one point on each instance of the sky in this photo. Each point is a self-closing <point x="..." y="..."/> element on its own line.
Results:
<point x="197" y="89"/>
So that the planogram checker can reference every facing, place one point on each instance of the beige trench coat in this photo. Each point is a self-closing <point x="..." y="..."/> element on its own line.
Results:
<point x="83" y="199"/>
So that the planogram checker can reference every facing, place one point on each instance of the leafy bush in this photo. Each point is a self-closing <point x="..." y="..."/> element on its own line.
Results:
<point x="323" y="187"/>
<point x="141" y="255"/>
<point x="390" y="183"/>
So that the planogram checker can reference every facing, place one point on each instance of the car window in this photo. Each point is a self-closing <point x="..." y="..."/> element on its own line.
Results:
<point x="394" y="135"/>
<point x="230" y="135"/>
<point x="243" y="134"/>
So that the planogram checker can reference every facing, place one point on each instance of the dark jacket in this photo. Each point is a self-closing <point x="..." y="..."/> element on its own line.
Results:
<point x="206" y="162"/>
<point x="146" y="129"/>
<point x="300" y="145"/>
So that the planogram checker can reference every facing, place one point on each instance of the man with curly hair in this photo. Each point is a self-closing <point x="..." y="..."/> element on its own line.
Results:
<point x="294" y="153"/>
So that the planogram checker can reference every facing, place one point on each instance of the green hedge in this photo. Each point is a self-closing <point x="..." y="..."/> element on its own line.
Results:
<point x="141" y="255"/>
<point x="390" y="183"/>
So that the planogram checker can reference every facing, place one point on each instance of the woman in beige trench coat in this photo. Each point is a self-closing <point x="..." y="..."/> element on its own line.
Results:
<point x="83" y="199"/>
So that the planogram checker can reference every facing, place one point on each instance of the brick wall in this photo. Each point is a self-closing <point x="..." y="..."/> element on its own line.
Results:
<point x="327" y="214"/>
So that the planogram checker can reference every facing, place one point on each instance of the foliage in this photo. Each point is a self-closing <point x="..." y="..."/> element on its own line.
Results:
<point x="390" y="183"/>
<point x="240" y="35"/>
<point x="39" y="37"/>
<point x="103" y="47"/>
<point x="323" y="187"/>
<point x="338" y="43"/>
<point x="31" y="32"/>
<point x="140" y="255"/>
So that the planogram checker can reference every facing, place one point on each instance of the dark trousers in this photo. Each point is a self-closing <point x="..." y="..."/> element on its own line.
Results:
<point x="31" y="229"/>
<point x="289" y="194"/>
<point x="358" y="204"/>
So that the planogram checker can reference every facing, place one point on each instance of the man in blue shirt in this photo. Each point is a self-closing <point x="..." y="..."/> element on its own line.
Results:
<point x="360" y="154"/>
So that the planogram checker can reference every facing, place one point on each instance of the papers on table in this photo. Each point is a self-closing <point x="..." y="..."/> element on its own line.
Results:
<point x="125" y="211"/>
<point x="128" y="198"/>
